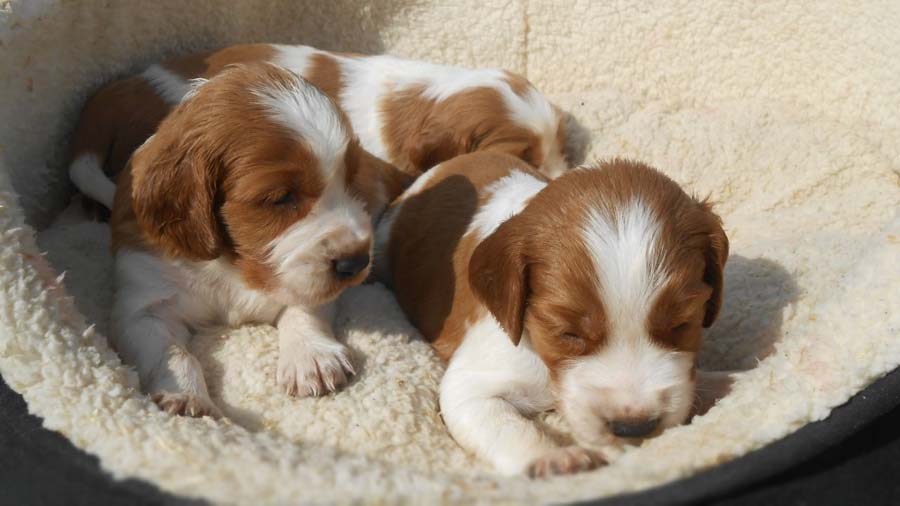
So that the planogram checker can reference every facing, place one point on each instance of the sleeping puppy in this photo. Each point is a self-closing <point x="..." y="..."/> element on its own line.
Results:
<point x="409" y="113"/>
<point x="249" y="204"/>
<point x="585" y="294"/>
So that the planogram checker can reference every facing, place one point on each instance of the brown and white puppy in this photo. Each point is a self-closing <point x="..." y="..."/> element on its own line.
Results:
<point x="244" y="206"/>
<point x="409" y="113"/>
<point x="585" y="294"/>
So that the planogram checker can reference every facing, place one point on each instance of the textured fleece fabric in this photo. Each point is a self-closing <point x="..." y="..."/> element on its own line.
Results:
<point x="786" y="114"/>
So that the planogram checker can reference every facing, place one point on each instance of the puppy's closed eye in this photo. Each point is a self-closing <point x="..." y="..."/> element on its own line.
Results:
<point x="282" y="199"/>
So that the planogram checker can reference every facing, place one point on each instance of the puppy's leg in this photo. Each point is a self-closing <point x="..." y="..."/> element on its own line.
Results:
<point x="482" y="421"/>
<point x="310" y="361"/>
<point x="156" y="345"/>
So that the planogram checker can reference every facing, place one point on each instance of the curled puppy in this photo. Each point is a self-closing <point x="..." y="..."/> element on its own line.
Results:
<point x="409" y="113"/>
<point x="243" y="207"/>
<point x="586" y="294"/>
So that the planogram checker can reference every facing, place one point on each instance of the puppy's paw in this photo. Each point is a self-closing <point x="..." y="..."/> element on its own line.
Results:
<point x="186" y="404"/>
<point x="305" y="373"/>
<point x="565" y="460"/>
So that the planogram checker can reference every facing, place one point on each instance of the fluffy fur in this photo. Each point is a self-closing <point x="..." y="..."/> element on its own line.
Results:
<point x="585" y="294"/>
<point x="238" y="210"/>
<point x="409" y="113"/>
<point x="783" y="146"/>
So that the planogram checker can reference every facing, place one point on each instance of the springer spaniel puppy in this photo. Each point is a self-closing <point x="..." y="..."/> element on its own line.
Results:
<point x="409" y="113"/>
<point x="585" y="294"/>
<point x="248" y="204"/>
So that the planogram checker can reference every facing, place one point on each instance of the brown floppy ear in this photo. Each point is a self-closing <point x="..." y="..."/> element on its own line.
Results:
<point x="498" y="275"/>
<point x="173" y="196"/>
<point x="715" y="255"/>
<point x="375" y="181"/>
<point x="433" y="145"/>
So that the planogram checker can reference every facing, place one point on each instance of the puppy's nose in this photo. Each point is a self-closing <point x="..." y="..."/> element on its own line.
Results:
<point x="348" y="267"/>
<point x="633" y="427"/>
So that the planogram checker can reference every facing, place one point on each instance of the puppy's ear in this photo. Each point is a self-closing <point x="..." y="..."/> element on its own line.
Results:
<point x="498" y="274"/>
<point x="716" y="255"/>
<point x="173" y="196"/>
<point x="433" y="145"/>
<point x="376" y="182"/>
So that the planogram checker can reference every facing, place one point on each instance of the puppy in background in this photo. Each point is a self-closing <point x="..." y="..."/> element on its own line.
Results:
<point x="586" y="294"/>
<point x="249" y="204"/>
<point x="408" y="113"/>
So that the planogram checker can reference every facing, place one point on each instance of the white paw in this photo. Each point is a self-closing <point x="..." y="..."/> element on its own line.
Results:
<point x="303" y="372"/>
<point x="566" y="460"/>
<point x="186" y="404"/>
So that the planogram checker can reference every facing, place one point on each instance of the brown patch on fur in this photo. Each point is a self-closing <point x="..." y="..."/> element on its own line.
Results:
<point x="324" y="72"/>
<point x="207" y="65"/>
<point x="219" y="178"/>
<point x="517" y="83"/>
<point x="534" y="272"/>
<point x="421" y="132"/>
<point x="115" y="121"/>
<point x="429" y="252"/>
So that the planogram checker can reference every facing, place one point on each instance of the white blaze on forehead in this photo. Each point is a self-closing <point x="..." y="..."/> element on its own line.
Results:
<point x="624" y="247"/>
<point x="309" y="113"/>
<point x="509" y="196"/>
<point x="170" y="86"/>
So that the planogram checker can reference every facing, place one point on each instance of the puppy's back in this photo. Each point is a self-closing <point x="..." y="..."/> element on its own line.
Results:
<point x="427" y="252"/>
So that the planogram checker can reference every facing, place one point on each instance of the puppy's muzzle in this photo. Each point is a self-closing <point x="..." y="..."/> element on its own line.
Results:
<point x="633" y="428"/>
<point x="349" y="267"/>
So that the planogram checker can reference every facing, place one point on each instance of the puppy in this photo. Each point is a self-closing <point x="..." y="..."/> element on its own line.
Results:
<point x="585" y="294"/>
<point x="244" y="206"/>
<point x="409" y="113"/>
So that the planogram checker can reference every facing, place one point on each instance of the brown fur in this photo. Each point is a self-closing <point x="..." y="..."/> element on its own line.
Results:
<point x="422" y="132"/>
<point x="116" y="120"/>
<point x="534" y="271"/>
<point x="429" y="254"/>
<point x="208" y="183"/>
<point x="419" y="132"/>
<point x="209" y="64"/>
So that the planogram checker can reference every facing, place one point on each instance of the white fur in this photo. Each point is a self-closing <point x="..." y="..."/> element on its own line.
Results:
<point x="490" y="384"/>
<point x="509" y="196"/>
<point x="627" y="260"/>
<point x="310" y="361"/>
<point x="630" y="377"/>
<point x="369" y="80"/>
<point x="170" y="86"/>
<point x="488" y="389"/>
<point x="308" y="112"/>
<point x="159" y="303"/>
<point x="86" y="173"/>
<point x="302" y="255"/>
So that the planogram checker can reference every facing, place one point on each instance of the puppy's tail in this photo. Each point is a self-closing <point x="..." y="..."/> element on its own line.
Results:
<point x="91" y="148"/>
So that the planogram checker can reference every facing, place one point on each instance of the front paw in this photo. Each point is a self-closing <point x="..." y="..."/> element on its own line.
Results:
<point x="566" y="460"/>
<point x="185" y="405"/>
<point x="305" y="373"/>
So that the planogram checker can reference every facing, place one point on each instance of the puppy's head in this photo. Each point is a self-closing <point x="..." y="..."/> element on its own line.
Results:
<point x="609" y="274"/>
<point x="256" y="166"/>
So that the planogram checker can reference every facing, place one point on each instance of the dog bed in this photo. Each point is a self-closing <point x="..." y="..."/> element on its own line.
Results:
<point x="785" y="114"/>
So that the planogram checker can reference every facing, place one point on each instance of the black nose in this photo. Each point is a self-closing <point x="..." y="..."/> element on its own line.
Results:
<point x="635" y="427"/>
<point x="346" y="268"/>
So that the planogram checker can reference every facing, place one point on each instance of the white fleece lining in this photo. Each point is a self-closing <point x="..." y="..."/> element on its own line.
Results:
<point x="747" y="101"/>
